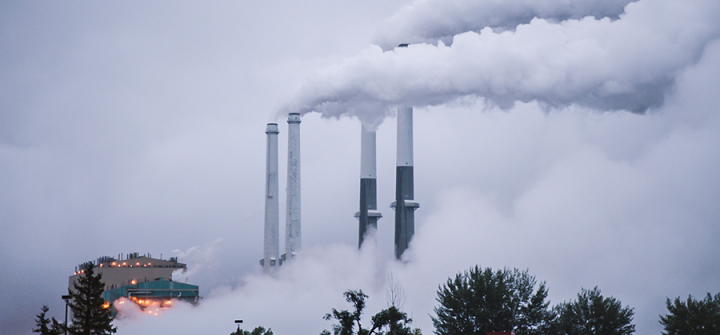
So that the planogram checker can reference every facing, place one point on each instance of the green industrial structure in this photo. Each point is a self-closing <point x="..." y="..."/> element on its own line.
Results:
<point x="159" y="293"/>
<point x="142" y="280"/>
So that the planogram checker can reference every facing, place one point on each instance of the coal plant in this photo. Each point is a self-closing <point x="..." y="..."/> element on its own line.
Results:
<point x="368" y="215"/>
<point x="292" y="221"/>
<point x="404" y="203"/>
<point x="271" y="254"/>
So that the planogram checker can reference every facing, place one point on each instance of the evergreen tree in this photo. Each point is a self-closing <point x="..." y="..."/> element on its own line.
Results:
<point x="90" y="315"/>
<point x="256" y="331"/>
<point x="692" y="316"/>
<point x="479" y="301"/>
<point x="593" y="314"/>
<point x="47" y="326"/>
<point x="390" y="321"/>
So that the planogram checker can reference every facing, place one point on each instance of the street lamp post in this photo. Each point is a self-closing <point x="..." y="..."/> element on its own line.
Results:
<point x="67" y="300"/>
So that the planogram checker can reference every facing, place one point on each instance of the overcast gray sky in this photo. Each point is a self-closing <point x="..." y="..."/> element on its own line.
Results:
<point x="581" y="142"/>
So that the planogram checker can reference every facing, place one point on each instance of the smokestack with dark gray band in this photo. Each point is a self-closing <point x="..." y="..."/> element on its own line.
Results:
<point x="292" y="221"/>
<point x="368" y="215"/>
<point x="271" y="254"/>
<point x="404" y="204"/>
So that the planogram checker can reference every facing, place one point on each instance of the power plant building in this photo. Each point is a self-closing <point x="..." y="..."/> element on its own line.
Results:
<point x="142" y="279"/>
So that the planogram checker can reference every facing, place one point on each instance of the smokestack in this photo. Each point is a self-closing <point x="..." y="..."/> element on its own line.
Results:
<point x="404" y="204"/>
<point x="271" y="254"/>
<point x="292" y="221"/>
<point x="368" y="214"/>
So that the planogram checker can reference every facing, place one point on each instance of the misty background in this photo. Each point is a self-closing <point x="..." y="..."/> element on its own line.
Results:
<point x="580" y="142"/>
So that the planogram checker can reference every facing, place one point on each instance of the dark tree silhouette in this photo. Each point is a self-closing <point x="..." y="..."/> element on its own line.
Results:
<point x="256" y="331"/>
<point x="390" y="321"/>
<point x="479" y="301"/>
<point x="593" y="314"/>
<point x="90" y="314"/>
<point x="692" y="316"/>
<point x="46" y="326"/>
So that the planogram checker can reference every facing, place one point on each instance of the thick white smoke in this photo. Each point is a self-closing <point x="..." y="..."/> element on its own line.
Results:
<point x="430" y="21"/>
<point x="626" y="64"/>
<point x="623" y="201"/>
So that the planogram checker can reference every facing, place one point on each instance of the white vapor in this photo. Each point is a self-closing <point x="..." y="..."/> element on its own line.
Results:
<point x="139" y="126"/>
<point x="626" y="64"/>
<point x="430" y="21"/>
<point x="622" y="201"/>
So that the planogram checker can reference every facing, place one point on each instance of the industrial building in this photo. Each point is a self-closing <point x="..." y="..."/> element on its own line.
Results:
<point x="142" y="279"/>
<point x="158" y="293"/>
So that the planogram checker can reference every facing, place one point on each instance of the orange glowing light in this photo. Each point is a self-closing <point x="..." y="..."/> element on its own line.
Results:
<point x="169" y="302"/>
<point x="106" y="305"/>
<point x="133" y="282"/>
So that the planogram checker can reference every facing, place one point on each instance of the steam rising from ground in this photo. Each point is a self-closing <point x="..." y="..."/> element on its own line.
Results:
<point x="626" y="64"/>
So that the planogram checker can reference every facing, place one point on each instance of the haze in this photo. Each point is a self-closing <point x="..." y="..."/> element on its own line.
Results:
<point x="581" y="143"/>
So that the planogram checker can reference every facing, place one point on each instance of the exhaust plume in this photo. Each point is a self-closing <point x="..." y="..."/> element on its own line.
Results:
<point x="431" y="21"/>
<point x="626" y="64"/>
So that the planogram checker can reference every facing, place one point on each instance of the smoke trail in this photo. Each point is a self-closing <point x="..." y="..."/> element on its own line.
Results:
<point x="626" y="64"/>
<point x="431" y="21"/>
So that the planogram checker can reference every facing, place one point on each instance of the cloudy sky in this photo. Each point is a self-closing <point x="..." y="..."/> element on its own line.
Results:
<point x="580" y="141"/>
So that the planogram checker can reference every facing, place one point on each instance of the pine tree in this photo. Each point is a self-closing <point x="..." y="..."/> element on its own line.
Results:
<point x="90" y="315"/>
<point x="47" y="326"/>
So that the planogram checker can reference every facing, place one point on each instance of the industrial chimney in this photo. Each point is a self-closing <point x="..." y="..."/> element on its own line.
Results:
<point x="292" y="221"/>
<point x="404" y="204"/>
<point x="271" y="254"/>
<point x="368" y="214"/>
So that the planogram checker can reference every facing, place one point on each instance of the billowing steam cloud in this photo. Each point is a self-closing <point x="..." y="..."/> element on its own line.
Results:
<point x="431" y="21"/>
<point x="625" y="64"/>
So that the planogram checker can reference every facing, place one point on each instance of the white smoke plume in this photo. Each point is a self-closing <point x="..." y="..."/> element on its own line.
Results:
<point x="430" y="21"/>
<point x="626" y="64"/>
<point x="199" y="259"/>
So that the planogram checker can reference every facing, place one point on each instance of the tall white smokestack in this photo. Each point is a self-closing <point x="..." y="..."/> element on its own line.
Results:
<point x="292" y="221"/>
<point x="271" y="254"/>
<point x="368" y="214"/>
<point x="404" y="204"/>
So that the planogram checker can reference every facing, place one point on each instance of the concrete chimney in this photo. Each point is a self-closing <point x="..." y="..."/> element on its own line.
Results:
<point x="404" y="204"/>
<point x="368" y="214"/>
<point x="271" y="254"/>
<point x="292" y="221"/>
